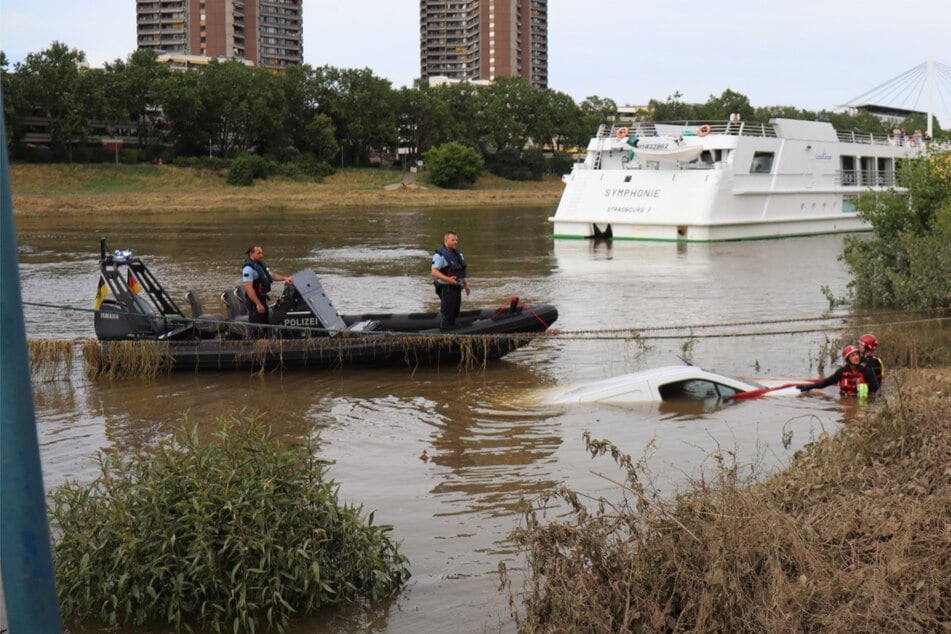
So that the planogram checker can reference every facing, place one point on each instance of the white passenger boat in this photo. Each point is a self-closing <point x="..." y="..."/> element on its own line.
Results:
<point x="725" y="181"/>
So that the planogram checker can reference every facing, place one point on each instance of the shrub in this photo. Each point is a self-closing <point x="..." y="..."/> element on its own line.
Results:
<point x="905" y="263"/>
<point x="229" y="536"/>
<point x="851" y="537"/>
<point x="453" y="165"/>
<point x="246" y="167"/>
<point x="518" y="166"/>
<point x="560" y="163"/>
<point x="129" y="156"/>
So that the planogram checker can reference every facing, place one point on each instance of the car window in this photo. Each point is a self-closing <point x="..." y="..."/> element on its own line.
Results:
<point x="695" y="390"/>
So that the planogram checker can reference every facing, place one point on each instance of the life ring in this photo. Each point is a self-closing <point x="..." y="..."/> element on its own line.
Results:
<point x="704" y="130"/>
<point x="622" y="133"/>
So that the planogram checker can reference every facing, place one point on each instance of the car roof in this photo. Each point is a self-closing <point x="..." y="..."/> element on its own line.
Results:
<point x="644" y="385"/>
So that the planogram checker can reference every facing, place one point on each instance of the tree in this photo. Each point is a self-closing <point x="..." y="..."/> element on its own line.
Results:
<point x="423" y="117"/>
<point x="362" y="106"/>
<point x="727" y="103"/>
<point x="320" y="138"/>
<point x="136" y="83"/>
<point x="508" y="107"/>
<point x="300" y="102"/>
<point x="905" y="264"/>
<point x="453" y="165"/>
<point x="52" y="88"/>
<point x="671" y="110"/>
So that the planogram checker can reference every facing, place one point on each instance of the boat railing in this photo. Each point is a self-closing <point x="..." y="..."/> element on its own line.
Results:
<point x="865" y="178"/>
<point x="686" y="128"/>
<point x="867" y="138"/>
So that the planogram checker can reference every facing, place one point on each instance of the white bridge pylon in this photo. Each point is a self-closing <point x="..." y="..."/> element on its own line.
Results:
<point x="929" y="80"/>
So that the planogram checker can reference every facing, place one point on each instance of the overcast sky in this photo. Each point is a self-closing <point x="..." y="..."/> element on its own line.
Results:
<point x="813" y="54"/>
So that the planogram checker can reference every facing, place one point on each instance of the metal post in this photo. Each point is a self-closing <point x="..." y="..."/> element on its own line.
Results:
<point x="28" y="580"/>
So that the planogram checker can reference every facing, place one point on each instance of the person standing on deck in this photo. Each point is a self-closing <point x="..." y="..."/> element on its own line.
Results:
<point x="449" y="271"/>
<point x="257" y="280"/>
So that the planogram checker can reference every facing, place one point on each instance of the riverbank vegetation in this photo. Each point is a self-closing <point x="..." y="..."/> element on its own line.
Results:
<point x="907" y="262"/>
<point x="236" y="534"/>
<point x="852" y="536"/>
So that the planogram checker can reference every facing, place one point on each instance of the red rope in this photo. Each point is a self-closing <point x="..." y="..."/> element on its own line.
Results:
<point x="540" y="320"/>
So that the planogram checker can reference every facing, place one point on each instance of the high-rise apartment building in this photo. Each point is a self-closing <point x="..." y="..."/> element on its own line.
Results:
<point x="267" y="33"/>
<point x="484" y="39"/>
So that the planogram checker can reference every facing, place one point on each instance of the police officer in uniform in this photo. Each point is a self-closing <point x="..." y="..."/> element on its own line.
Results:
<point x="449" y="271"/>
<point x="257" y="280"/>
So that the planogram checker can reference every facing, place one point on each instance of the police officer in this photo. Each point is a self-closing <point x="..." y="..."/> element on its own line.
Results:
<point x="449" y="269"/>
<point x="257" y="280"/>
<point x="854" y="379"/>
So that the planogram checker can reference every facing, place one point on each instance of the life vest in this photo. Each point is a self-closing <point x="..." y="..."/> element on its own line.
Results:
<point x="262" y="285"/>
<point x="455" y="263"/>
<point x="876" y="364"/>
<point x="850" y="381"/>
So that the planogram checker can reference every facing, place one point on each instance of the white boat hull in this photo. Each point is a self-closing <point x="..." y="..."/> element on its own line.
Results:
<point x="805" y="190"/>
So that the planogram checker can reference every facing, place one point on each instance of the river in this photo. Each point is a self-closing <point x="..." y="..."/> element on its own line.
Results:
<point x="444" y="455"/>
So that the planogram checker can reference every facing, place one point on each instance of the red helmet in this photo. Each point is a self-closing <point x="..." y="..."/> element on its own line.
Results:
<point x="849" y="349"/>
<point x="869" y="341"/>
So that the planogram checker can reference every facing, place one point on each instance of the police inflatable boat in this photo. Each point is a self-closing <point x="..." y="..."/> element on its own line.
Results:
<point x="137" y="319"/>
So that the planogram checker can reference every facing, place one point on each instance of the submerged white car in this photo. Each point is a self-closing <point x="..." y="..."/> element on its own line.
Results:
<point x="672" y="383"/>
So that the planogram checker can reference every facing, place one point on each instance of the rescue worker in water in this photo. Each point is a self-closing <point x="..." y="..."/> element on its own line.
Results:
<point x="449" y="269"/>
<point x="867" y="346"/>
<point x="854" y="379"/>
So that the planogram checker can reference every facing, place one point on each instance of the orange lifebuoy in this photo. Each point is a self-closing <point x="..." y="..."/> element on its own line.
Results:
<point x="622" y="133"/>
<point x="704" y="130"/>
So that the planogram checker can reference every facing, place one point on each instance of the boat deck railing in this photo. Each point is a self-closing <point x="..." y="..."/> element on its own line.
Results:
<point x="865" y="178"/>
<point x="743" y="128"/>
<point x="868" y="138"/>
<point x="687" y="128"/>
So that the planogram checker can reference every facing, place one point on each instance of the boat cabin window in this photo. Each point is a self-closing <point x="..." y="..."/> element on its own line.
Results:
<point x="695" y="390"/>
<point x="762" y="163"/>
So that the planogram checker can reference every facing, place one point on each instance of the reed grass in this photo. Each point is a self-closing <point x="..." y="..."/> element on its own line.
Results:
<point x="851" y="537"/>
<point x="118" y="359"/>
<point x="122" y="359"/>
<point x="236" y="535"/>
<point x="50" y="359"/>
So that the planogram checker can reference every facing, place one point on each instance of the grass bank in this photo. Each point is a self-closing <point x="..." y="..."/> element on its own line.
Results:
<point x="852" y="537"/>
<point x="46" y="189"/>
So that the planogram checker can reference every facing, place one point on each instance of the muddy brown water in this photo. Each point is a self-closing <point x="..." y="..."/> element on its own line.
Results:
<point x="492" y="437"/>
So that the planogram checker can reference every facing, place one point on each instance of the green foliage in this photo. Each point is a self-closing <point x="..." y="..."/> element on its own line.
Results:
<point x="906" y="263"/>
<point x="518" y="166"/>
<point x="453" y="165"/>
<point x="246" y="167"/>
<point x="212" y="163"/>
<point x="235" y="535"/>
<point x="305" y="168"/>
<point x="560" y="163"/>
<point x="339" y="115"/>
